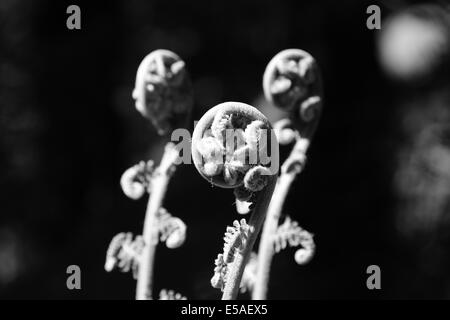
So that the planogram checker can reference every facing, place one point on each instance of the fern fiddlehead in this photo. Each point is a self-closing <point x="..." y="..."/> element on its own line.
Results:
<point x="163" y="90"/>
<point x="229" y="146"/>
<point x="291" y="82"/>
<point x="172" y="230"/>
<point x="124" y="253"/>
<point x="289" y="233"/>
<point x="162" y="94"/>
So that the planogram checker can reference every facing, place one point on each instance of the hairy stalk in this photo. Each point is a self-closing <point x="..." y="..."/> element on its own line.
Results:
<point x="163" y="94"/>
<point x="240" y="261"/>
<point x="266" y="249"/>
<point x="158" y="187"/>
<point x="291" y="82"/>
<point x="229" y="147"/>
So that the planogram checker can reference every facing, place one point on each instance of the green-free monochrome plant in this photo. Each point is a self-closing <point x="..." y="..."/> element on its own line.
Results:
<point x="292" y="82"/>
<point x="231" y="145"/>
<point x="235" y="147"/>
<point x="163" y="94"/>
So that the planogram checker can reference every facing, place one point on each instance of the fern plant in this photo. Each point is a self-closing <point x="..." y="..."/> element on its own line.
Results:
<point x="163" y="94"/>
<point x="291" y="82"/>
<point x="230" y="147"/>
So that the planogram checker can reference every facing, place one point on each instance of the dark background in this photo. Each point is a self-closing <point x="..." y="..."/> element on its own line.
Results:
<point x="69" y="129"/>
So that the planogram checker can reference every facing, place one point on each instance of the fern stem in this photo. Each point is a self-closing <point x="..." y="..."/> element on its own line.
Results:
<point x="266" y="248"/>
<point x="304" y="114"/>
<point x="159" y="183"/>
<point x="256" y="222"/>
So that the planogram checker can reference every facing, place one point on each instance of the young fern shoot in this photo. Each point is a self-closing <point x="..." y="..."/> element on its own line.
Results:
<point x="163" y="94"/>
<point x="291" y="82"/>
<point x="230" y="148"/>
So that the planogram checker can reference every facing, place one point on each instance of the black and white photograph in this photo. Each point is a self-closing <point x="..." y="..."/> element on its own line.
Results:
<point x="224" y="150"/>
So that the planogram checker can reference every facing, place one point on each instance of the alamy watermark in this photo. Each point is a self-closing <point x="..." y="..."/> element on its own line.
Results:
<point x="233" y="148"/>
<point x="374" y="280"/>
<point x="74" y="20"/>
<point x="74" y="279"/>
<point x="374" y="20"/>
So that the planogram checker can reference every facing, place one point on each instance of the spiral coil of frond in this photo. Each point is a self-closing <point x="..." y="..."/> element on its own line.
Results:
<point x="234" y="240"/>
<point x="172" y="230"/>
<point x="163" y="90"/>
<point x="136" y="180"/>
<point x="230" y="147"/>
<point x="291" y="234"/>
<point x="292" y="82"/>
<point x="124" y="253"/>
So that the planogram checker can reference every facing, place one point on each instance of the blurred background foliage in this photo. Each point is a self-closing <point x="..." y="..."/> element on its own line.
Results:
<point x="376" y="188"/>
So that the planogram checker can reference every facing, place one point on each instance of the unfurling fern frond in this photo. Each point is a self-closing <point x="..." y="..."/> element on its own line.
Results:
<point x="290" y="233"/>
<point x="124" y="253"/>
<point x="136" y="180"/>
<point x="249" y="276"/>
<point x="220" y="272"/>
<point x="285" y="131"/>
<point x="163" y="91"/>
<point x="172" y="230"/>
<point x="170" y="295"/>
<point x="235" y="238"/>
